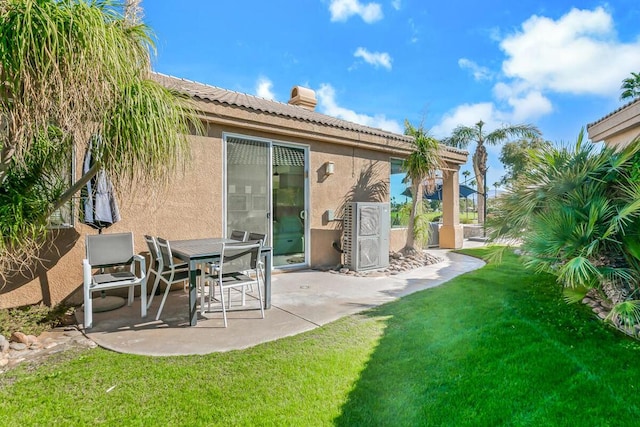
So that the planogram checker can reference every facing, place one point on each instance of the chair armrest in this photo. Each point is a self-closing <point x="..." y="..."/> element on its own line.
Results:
<point x="143" y="265"/>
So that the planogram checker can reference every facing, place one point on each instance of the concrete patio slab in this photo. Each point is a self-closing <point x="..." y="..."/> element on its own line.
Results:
<point x="301" y="301"/>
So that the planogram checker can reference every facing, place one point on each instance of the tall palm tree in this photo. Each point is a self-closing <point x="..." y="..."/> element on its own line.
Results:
<point x="466" y="175"/>
<point x="84" y="68"/>
<point x="421" y="166"/>
<point x="462" y="136"/>
<point x="630" y="87"/>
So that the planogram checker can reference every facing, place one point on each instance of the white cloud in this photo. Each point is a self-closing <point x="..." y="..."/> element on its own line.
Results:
<point x="479" y="73"/>
<point x="396" y="4"/>
<point x="327" y="105"/>
<point x="264" y="88"/>
<point x="341" y="10"/>
<point x="527" y="104"/>
<point x="469" y="115"/>
<point x="578" y="53"/>
<point x="377" y="59"/>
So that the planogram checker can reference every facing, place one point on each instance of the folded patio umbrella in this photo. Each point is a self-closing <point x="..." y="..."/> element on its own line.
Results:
<point x="99" y="208"/>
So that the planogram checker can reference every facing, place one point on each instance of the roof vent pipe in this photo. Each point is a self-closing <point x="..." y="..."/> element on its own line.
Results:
<point x="303" y="97"/>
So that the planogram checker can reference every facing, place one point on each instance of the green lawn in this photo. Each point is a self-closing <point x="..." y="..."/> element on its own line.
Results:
<point x="497" y="346"/>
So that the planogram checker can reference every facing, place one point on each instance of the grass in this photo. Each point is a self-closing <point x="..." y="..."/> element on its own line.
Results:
<point x="497" y="346"/>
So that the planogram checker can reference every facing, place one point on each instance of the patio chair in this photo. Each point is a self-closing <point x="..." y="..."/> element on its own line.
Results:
<point x="239" y="235"/>
<point x="172" y="272"/>
<point x="262" y="238"/>
<point x="112" y="251"/>
<point x="238" y="270"/>
<point x="156" y="265"/>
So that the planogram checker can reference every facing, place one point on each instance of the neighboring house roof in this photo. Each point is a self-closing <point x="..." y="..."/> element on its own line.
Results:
<point x="619" y="127"/>
<point x="627" y="105"/>
<point x="254" y="103"/>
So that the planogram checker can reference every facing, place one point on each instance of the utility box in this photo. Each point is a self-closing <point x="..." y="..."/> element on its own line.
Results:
<point x="434" y="235"/>
<point x="366" y="235"/>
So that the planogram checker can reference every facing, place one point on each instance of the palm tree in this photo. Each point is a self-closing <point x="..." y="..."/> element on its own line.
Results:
<point x="466" y="175"/>
<point x="83" y="68"/>
<point x="496" y="185"/>
<point x="462" y="136"/>
<point x="576" y="215"/>
<point x="421" y="166"/>
<point x="630" y="87"/>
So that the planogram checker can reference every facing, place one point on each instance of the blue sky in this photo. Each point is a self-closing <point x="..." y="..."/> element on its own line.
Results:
<point x="556" y="64"/>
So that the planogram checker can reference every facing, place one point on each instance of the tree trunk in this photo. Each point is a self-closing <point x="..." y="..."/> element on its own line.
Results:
<point x="480" y="169"/>
<point x="409" y="247"/>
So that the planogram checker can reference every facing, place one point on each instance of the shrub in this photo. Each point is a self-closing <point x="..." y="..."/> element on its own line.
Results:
<point x="577" y="214"/>
<point x="30" y="320"/>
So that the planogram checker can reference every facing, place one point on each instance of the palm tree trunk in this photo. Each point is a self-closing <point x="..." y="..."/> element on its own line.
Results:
<point x="480" y="168"/>
<point x="409" y="247"/>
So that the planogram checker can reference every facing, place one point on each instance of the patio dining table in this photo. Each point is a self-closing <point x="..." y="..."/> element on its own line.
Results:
<point x="197" y="251"/>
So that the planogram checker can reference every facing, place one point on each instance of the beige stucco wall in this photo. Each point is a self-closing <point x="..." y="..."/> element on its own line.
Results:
<point x="192" y="207"/>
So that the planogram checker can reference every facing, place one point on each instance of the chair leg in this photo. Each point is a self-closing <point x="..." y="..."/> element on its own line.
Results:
<point x="131" y="291"/>
<point x="153" y="290"/>
<point x="164" y="298"/>
<point x="224" y="310"/>
<point x="88" y="309"/>
<point x="143" y="298"/>
<point x="260" y="297"/>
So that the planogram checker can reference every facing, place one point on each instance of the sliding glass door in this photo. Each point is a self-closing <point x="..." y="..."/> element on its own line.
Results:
<point x="289" y="205"/>
<point x="266" y="192"/>
<point x="248" y="186"/>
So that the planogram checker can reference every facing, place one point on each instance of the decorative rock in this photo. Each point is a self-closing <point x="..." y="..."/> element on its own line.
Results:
<point x="32" y="339"/>
<point x="4" y="346"/>
<point x="19" y="337"/>
<point x="37" y="345"/>
<point x="4" y="362"/>
<point x="73" y="333"/>
<point x="18" y="346"/>
<point x="602" y="315"/>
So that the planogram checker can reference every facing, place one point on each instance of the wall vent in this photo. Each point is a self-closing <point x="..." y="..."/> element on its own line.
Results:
<point x="366" y="235"/>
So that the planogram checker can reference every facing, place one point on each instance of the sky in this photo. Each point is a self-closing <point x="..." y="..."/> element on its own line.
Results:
<point x="554" y="64"/>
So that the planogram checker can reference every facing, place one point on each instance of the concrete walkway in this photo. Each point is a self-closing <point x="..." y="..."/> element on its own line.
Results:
<point x="300" y="301"/>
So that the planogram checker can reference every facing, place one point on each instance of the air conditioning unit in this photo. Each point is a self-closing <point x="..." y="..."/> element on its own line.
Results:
<point x="366" y="235"/>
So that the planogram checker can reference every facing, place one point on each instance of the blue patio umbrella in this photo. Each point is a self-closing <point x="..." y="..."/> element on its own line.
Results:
<point x="465" y="191"/>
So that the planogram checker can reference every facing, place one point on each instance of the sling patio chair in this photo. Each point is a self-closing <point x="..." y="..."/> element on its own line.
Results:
<point x="112" y="255"/>
<point x="238" y="269"/>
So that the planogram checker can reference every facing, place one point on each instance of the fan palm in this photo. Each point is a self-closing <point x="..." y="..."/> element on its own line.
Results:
<point x="421" y="166"/>
<point x="84" y="68"/>
<point x="577" y="214"/>
<point x="462" y="136"/>
<point x="630" y="87"/>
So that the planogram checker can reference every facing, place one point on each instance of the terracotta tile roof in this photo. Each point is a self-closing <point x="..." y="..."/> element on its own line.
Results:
<point x="627" y="105"/>
<point x="255" y="103"/>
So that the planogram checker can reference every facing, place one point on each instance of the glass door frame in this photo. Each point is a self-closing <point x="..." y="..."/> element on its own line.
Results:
<point x="307" y="228"/>
<point x="269" y="144"/>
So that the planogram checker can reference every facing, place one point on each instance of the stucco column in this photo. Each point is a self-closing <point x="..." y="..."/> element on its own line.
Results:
<point x="451" y="232"/>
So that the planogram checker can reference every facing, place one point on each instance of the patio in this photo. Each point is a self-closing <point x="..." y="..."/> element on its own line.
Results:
<point x="301" y="301"/>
